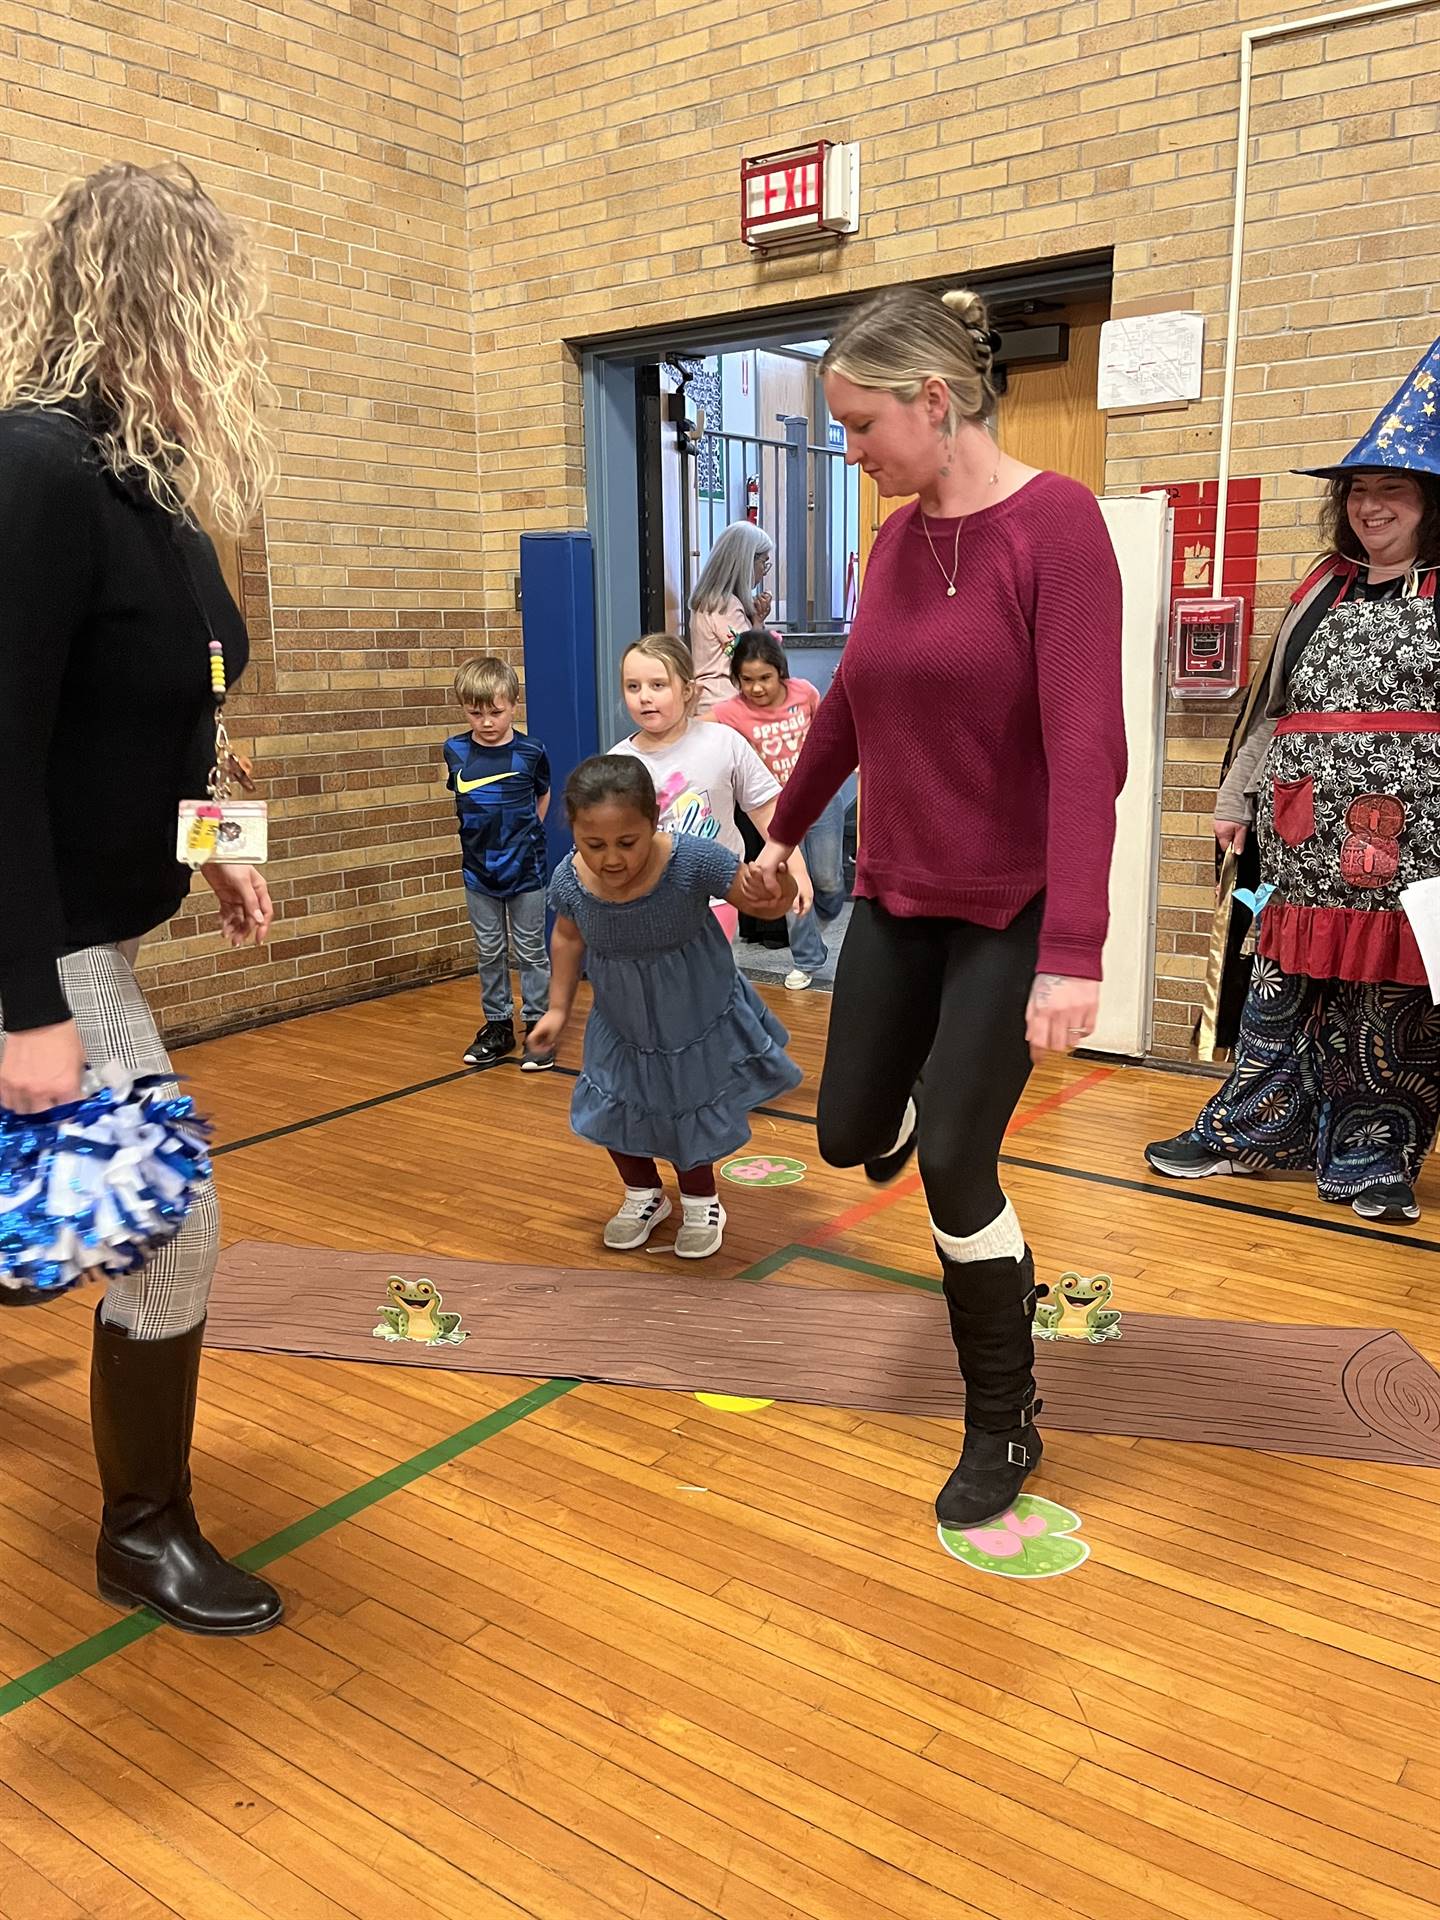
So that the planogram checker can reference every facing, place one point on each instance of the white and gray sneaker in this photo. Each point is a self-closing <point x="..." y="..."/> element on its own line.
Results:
<point x="703" y="1228"/>
<point x="1184" y="1158"/>
<point x="1393" y="1200"/>
<point x="641" y="1211"/>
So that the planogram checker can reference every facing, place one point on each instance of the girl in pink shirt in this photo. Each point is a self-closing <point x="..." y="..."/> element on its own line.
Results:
<point x="773" y="711"/>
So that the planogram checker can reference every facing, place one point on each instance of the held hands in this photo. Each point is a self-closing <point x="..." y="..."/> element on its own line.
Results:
<point x="1061" y="1014"/>
<point x="246" y="910"/>
<point x="42" y="1067"/>
<point x="762" y="880"/>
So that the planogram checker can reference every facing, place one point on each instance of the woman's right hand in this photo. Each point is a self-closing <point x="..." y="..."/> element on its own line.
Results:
<point x="1232" y="835"/>
<point x="772" y="862"/>
<point x="42" y="1067"/>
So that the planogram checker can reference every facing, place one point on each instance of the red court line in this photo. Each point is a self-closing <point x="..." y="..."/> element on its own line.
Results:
<point x="867" y="1209"/>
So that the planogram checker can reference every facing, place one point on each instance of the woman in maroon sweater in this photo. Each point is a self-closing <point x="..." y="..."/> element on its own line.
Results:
<point x="980" y="697"/>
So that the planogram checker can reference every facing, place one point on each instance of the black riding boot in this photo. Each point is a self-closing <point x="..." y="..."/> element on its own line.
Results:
<point x="992" y="1308"/>
<point x="151" y="1552"/>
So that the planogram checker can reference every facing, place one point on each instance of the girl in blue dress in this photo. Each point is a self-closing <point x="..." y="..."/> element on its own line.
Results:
<point x="679" y="1048"/>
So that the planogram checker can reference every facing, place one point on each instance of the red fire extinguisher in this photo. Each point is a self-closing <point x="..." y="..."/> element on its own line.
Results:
<point x="752" y="500"/>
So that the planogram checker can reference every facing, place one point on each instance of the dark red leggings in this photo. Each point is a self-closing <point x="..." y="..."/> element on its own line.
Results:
<point x="697" y="1182"/>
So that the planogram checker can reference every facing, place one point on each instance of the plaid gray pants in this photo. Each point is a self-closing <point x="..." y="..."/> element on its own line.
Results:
<point x="169" y="1293"/>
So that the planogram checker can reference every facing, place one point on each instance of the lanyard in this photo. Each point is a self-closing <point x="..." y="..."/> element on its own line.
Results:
<point x="219" y="786"/>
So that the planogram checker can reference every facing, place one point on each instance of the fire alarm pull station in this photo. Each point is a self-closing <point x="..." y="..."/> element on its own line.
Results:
<point x="1207" y="639"/>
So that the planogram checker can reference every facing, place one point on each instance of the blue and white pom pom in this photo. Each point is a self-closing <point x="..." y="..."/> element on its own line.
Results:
<point x="99" y="1184"/>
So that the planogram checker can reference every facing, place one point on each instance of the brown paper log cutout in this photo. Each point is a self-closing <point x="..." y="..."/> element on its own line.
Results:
<point x="1341" y="1392"/>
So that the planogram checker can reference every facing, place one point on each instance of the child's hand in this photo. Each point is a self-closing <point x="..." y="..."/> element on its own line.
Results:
<point x="759" y="887"/>
<point x="546" y="1034"/>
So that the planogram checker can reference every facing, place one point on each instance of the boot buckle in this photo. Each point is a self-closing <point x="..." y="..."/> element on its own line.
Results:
<point x="1017" y="1455"/>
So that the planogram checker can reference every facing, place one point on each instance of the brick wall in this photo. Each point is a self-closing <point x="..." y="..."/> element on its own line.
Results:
<point x="338" y="134"/>
<point x="446" y="199"/>
<point x="603" y="148"/>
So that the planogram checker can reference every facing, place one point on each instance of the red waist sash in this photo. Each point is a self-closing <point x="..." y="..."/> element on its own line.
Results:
<point x="1359" y="723"/>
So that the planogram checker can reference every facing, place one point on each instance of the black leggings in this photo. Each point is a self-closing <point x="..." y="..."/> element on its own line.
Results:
<point x="949" y="998"/>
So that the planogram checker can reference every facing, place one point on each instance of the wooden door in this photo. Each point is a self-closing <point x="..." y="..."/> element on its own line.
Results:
<point x="1047" y="418"/>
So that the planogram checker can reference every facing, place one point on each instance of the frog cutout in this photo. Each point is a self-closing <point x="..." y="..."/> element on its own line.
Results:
<point x="413" y="1313"/>
<point x="1079" y="1309"/>
<point x="1035" y="1540"/>
<point x="1370" y="855"/>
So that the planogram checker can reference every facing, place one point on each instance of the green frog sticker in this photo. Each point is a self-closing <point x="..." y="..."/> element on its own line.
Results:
<point x="412" y="1312"/>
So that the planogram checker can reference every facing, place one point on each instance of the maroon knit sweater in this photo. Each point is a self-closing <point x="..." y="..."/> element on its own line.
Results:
<point x="988" y="729"/>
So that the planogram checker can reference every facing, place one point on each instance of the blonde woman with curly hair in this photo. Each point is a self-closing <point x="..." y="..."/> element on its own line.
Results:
<point x="132" y="375"/>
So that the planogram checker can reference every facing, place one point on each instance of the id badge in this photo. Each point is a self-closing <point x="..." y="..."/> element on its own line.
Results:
<point x="234" y="832"/>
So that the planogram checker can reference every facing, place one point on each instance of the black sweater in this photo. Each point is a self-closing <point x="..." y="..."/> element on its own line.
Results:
<point x="106" y="721"/>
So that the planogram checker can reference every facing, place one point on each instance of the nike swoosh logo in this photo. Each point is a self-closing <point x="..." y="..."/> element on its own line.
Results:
<point x="469" y="786"/>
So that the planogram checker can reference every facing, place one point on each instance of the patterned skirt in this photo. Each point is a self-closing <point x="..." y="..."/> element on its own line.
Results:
<point x="1339" y="1076"/>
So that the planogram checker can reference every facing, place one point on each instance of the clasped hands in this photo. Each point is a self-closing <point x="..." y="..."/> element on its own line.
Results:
<point x="762" y="881"/>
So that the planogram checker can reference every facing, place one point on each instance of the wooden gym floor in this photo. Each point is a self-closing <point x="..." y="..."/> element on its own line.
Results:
<point x="579" y="1652"/>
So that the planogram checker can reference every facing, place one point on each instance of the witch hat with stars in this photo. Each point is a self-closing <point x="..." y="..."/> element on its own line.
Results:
<point x="1405" y="435"/>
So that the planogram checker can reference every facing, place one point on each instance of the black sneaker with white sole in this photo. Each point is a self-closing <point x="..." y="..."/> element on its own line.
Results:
<point x="491" y="1044"/>
<point x="1393" y="1202"/>
<point x="1184" y="1158"/>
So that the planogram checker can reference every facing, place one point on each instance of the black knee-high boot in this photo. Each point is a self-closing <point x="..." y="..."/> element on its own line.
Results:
<point x="992" y="1309"/>
<point x="151" y="1552"/>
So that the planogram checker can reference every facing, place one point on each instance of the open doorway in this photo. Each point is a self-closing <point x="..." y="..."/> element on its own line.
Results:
<point x="694" y="428"/>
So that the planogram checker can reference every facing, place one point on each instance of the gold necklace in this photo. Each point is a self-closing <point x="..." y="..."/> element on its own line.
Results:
<point x="953" y="574"/>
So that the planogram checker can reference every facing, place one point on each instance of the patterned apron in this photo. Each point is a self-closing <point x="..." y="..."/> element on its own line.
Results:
<point x="1337" y="1061"/>
<point x="1349" y="807"/>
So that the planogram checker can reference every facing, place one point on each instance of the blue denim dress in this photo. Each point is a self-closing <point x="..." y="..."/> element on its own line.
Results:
<point x="679" y="1047"/>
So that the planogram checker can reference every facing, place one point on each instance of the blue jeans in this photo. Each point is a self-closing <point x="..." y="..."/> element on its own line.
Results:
<point x="522" y="919"/>
<point x="824" y="851"/>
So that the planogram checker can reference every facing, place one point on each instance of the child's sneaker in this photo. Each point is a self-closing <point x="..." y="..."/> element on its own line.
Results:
<point x="641" y="1211"/>
<point x="536" y="1060"/>
<point x="797" y="980"/>
<point x="491" y="1044"/>
<point x="703" y="1228"/>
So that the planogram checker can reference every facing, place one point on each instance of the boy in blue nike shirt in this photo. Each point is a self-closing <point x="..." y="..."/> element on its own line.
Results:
<point x="501" y="783"/>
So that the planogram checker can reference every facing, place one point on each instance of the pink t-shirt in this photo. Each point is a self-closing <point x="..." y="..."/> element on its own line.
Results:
<point x="776" y="733"/>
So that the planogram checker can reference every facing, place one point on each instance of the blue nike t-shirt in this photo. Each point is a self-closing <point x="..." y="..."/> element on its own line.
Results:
<point x="497" y="793"/>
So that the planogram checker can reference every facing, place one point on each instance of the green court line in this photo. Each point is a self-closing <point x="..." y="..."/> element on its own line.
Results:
<point x="124" y="1633"/>
<point x="136" y="1626"/>
<point x="852" y="1263"/>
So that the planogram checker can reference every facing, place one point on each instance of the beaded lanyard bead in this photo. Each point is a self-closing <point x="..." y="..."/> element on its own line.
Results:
<point x="218" y="784"/>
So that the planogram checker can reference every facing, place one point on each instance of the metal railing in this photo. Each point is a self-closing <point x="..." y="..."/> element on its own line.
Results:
<point x="805" y="498"/>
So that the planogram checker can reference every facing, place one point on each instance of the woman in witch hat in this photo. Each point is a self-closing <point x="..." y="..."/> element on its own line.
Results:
<point x="1329" y="806"/>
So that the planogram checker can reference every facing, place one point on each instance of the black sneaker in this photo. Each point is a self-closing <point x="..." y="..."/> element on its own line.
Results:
<point x="1393" y="1201"/>
<point x="533" y="1061"/>
<point x="889" y="1166"/>
<point x="1184" y="1158"/>
<point x="491" y="1044"/>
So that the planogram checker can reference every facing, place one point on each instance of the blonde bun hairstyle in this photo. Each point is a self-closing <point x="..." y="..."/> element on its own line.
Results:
<point x="907" y="336"/>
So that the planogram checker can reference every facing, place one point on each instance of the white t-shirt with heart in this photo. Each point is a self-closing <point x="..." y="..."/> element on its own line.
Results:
<point x="701" y="778"/>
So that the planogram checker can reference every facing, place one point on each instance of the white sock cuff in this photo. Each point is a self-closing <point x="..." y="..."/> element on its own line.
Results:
<point x="1000" y="1239"/>
<point x="644" y="1193"/>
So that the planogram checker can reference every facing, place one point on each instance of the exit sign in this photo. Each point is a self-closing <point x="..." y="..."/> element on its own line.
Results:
<point x="804" y="193"/>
